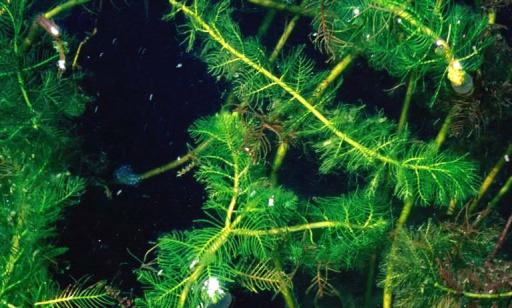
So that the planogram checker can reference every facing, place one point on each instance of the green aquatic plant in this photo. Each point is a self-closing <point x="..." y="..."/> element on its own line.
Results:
<point x="297" y="103"/>
<point x="247" y="221"/>
<point x="257" y="233"/>
<point x="38" y="103"/>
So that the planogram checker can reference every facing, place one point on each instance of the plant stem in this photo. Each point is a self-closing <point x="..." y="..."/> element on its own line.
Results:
<point x="278" y="161"/>
<point x="284" y="37"/>
<point x="333" y="75"/>
<point x="284" y="288"/>
<point x="489" y="179"/>
<point x="175" y="163"/>
<point x="294" y="9"/>
<point x="335" y="72"/>
<point x="474" y="295"/>
<point x="265" y="24"/>
<point x="501" y="239"/>
<point x="49" y="15"/>
<point x="411" y="86"/>
<point x="445" y="128"/>
<point x="501" y="193"/>
<point x="387" y="299"/>
<point x="305" y="227"/>
<point x="63" y="7"/>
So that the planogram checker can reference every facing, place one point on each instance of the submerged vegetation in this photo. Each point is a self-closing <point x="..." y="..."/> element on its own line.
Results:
<point x="259" y="234"/>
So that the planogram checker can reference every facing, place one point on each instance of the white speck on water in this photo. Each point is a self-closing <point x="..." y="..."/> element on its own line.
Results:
<point x="119" y="192"/>
<point x="101" y="54"/>
<point x="151" y="97"/>
<point x="114" y="40"/>
<point x="507" y="158"/>
<point x="179" y="65"/>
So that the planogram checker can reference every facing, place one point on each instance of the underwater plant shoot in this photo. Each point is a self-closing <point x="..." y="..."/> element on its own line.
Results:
<point x="255" y="153"/>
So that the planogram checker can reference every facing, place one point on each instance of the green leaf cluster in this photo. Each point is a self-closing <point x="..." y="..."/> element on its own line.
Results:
<point x="36" y="148"/>
<point x="399" y="37"/>
<point x="340" y="135"/>
<point x="248" y="224"/>
<point x="429" y="259"/>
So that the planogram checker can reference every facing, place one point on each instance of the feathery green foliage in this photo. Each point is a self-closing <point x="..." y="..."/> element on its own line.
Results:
<point x="36" y="103"/>
<point x="251" y="224"/>
<point x="80" y="296"/>
<point x="345" y="140"/>
<point x="248" y="222"/>
<point x="401" y="37"/>
<point x="435" y="258"/>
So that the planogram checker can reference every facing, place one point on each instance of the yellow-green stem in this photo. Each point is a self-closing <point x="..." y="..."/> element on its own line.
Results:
<point x="304" y="227"/>
<point x="175" y="163"/>
<point x="411" y="85"/>
<point x="491" y="16"/>
<point x="64" y="7"/>
<point x="333" y="75"/>
<point x="278" y="161"/>
<point x="284" y="289"/>
<point x="294" y="9"/>
<point x="387" y="299"/>
<point x="489" y="179"/>
<point x="284" y="37"/>
<point x="474" y="295"/>
<point x="494" y="202"/>
<point x="445" y="128"/>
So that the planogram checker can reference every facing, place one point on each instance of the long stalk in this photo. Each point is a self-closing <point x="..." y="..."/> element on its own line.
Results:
<point x="283" y="39"/>
<point x="411" y="86"/>
<point x="294" y="9"/>
<point x="494" y="202"/>
<point x="489" y="179"/>
<point x="387" y="299"/>
<point x="501" y="239"/>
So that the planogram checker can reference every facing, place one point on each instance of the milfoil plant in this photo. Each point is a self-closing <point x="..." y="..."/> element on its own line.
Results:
<point x="259" y="235"/>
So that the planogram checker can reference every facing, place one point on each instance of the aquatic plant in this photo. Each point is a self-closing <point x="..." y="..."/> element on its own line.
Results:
<point x="257" y="232"/>
<point x="38" y="103"/>
<point x="242" y="242"/>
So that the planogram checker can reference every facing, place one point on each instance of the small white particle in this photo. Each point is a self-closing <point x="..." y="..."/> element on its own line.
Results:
<point x="101" y="54"/>
<point x="114" y="40"/>
<point x="456" y="65"/>
<point x="96" y="109"/>
<point x="119" y="192"/>
<point x="151" y="97"/>
<point x="439" y="42"/>
<point x="54" y="31"/>
<point x="356" y="12"/>
<point x="61" y="64"/>
<point x="399" y="20"/>
<point x="271" y="201"/>
<point x="193" y="263"/>
<point x="314" y="34"/>
<point x="507" y="158"/>
<point x="179" y="65"/>
<point x="160" y="272"/>
<point x="212" y="287"/>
